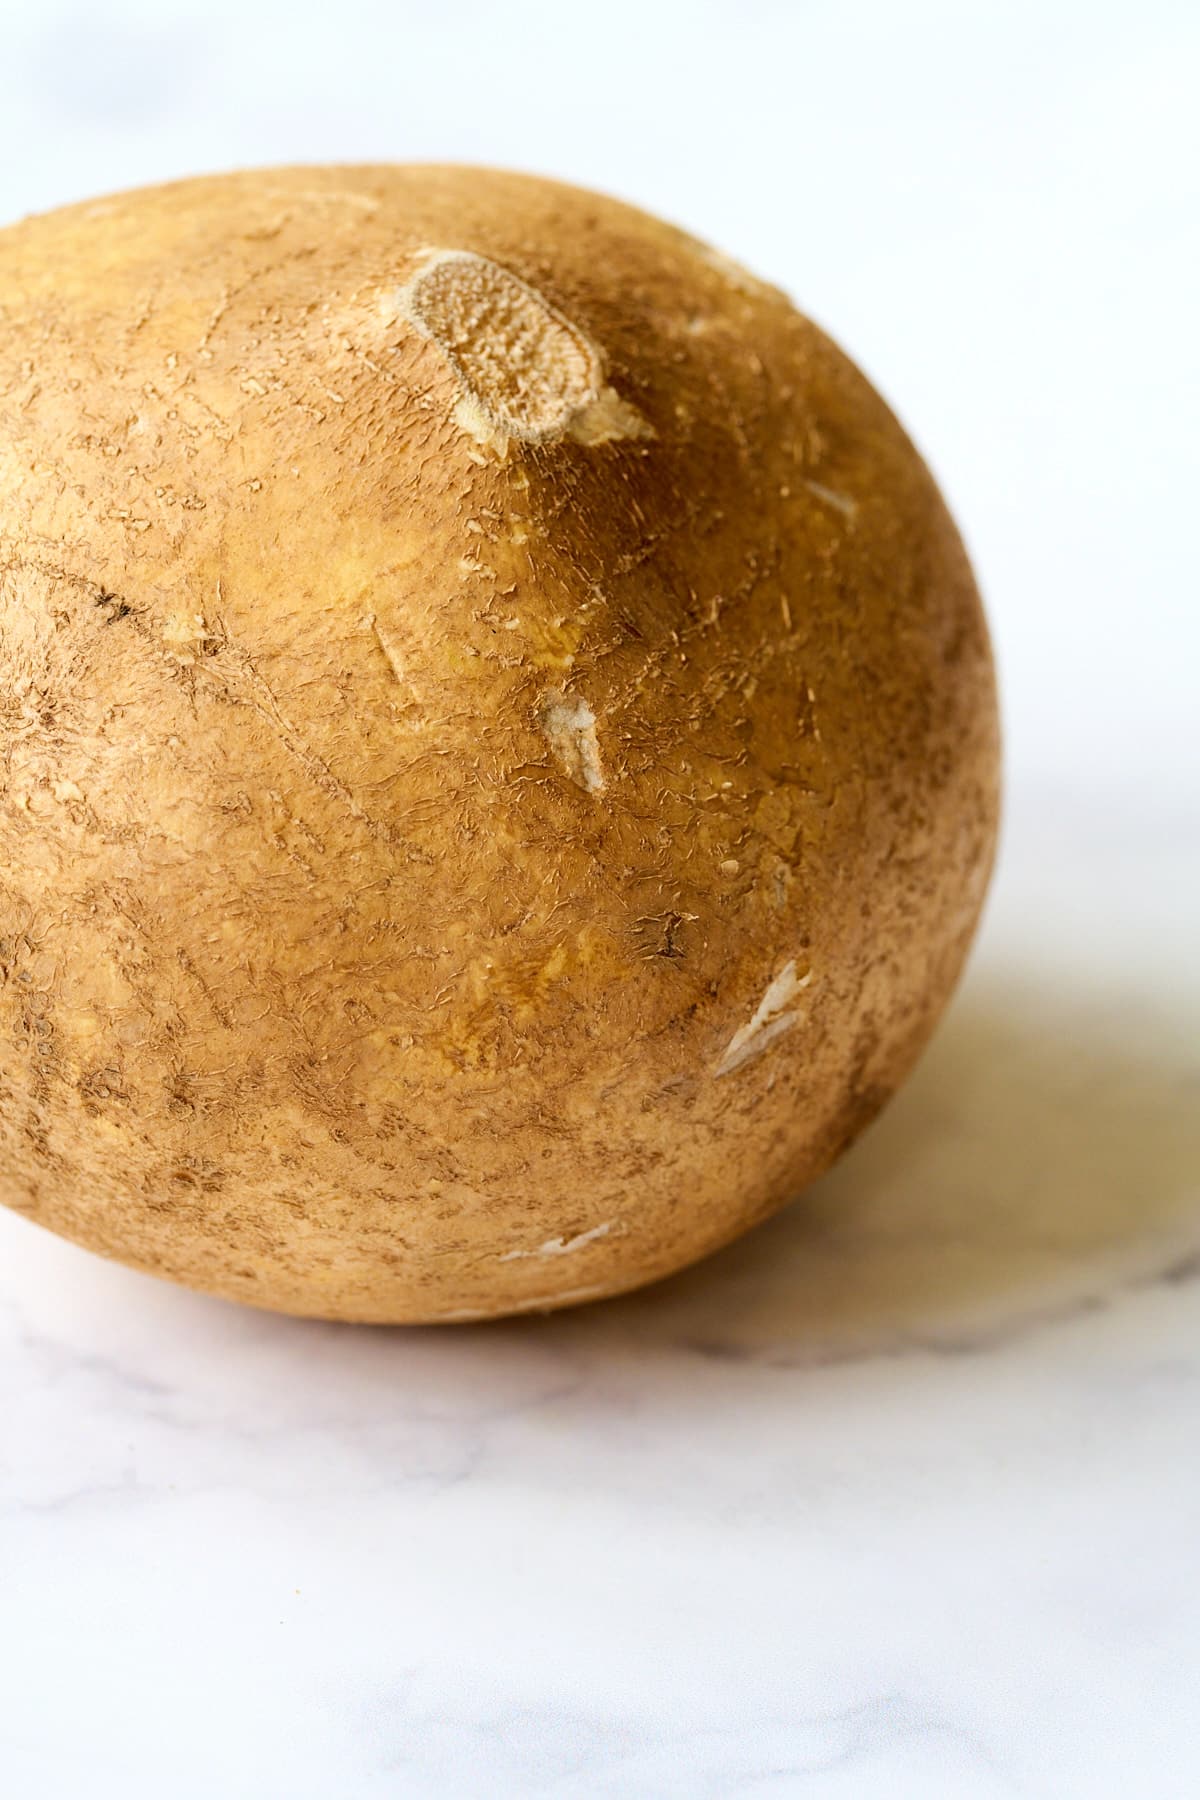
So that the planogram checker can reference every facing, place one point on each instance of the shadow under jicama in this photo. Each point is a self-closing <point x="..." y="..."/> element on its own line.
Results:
<point x="1045" y="1154"/>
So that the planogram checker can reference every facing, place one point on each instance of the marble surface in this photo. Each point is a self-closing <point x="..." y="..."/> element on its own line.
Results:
<point x="899" y="1496"/>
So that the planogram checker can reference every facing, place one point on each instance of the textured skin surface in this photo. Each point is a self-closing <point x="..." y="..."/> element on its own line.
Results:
<point x="325" y="983"/>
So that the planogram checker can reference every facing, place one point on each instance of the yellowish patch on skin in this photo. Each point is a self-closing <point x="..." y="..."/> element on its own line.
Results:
<point x="771" y="1018"/>
<point x="525" y="371"/>
<point x="552" y="643"/>
<point x="568" y="725"/>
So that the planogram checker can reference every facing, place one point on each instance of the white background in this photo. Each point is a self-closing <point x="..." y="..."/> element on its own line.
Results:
<point x="905" y="1507"/>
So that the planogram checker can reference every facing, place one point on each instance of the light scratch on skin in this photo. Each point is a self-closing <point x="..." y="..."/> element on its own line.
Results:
<point x="389" y="651"/>
<point x="266" y="704"/>
<point x="840" y="502"/>
<point x="561" y="1246"/>
<point x="473" y="1315"/>
<point x="772" y="1017"/>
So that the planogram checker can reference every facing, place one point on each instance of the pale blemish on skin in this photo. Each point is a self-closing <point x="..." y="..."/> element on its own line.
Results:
<point x="568" y="725"/>
<point x="525" y="371"/>
<point x="184" y="636"/>
<point x="773" y="1016"/>
<point x="561" y="1246"/>
<point x="323" y="197"/>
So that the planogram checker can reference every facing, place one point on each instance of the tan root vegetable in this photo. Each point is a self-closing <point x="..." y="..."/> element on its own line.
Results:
<point x="499" y="742"/>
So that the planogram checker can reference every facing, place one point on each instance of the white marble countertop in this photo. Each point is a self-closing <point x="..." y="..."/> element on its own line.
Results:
<point x="899" y="1497"/>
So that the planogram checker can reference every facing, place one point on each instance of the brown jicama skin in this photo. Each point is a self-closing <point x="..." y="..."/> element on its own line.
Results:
<point x="499" y="751"/>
